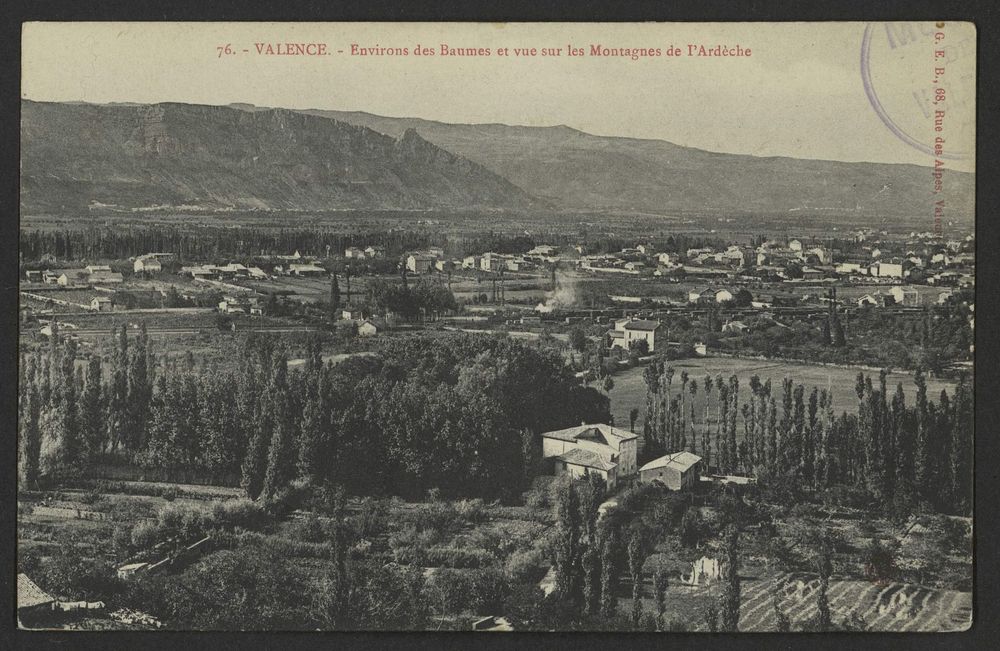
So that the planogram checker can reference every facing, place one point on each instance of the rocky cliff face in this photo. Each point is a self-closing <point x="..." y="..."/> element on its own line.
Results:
<point x="578" y="170"/>
<point x="77" y="157"/>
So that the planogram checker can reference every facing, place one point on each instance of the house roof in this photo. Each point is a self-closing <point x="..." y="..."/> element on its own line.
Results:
<point x="680" y="460"/>
<point x="586" y="458"/>
<point x="586" y="431"/>
<point x="29" y="594"/>
<point x="642" y="324"/>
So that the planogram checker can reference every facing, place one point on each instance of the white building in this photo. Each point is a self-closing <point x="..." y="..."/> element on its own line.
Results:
<point x="606" y="451"/>
<point x="906" y="296"/>
<point x="630" y="330"/>
<point x="419" y="263"/>
<point x="886" y="270"/>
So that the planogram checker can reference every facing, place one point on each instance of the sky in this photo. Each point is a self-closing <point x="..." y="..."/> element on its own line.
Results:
<point x="800" y="93"/>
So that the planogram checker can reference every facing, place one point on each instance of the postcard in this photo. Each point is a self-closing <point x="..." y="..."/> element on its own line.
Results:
<point x="496" y="327"/>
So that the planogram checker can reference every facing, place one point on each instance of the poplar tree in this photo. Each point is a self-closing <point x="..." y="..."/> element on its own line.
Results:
<point x="31" y="436"/>
<point x="118" y="397"/>
<point x="660" y="584"/>
<point x="635" y="561"/>
<point x="609" y="573"/>
<point x="961" y="447"/>
<point x="922" y="448"/>
<point x="334" y="298"/>
<point x="280" y="460"/>
<point x="311" y="431"/>
<point x="730" y="601"/>
<point x="567" y="542"/>
<point x="92" y="422"/>
<point x="70" y="444"/>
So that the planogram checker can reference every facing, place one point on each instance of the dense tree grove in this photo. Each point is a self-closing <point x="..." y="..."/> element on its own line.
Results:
<point x="207" y="242"/>
<point x="900" y="455"/>
<point x="459" y="413"/>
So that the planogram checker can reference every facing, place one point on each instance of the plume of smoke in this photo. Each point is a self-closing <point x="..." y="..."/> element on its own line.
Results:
<point x="563" y="296"/>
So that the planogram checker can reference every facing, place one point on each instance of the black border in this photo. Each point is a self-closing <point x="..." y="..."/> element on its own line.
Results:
<point x="985" y="626"/>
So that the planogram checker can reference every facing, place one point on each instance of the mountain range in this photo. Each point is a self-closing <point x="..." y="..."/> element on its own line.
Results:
<point x="128" y="156"/>
<point x="77" y="157"/>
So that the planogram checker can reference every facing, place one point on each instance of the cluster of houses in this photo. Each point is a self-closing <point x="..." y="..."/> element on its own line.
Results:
<point x="95" y="274"/>
<point x="369" y="252"/>
<point x="611" y="453"/>
<point x="433" y="259"/>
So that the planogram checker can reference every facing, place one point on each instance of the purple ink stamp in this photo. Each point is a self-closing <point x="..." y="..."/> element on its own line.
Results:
<point x="915" y="87"/>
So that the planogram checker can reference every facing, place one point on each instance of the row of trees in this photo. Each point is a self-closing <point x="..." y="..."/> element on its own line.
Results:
<point x="188" y="242"/>
<point x="460" y="413"/>
<point x="893" y="451"/>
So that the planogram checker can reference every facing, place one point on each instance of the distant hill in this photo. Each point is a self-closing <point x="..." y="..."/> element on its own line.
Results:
<point x="77" y="157"/>
<point x="573" y="169"/>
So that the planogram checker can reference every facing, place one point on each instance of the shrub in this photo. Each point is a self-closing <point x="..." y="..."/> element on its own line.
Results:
<point x="489" y="590"/>
<point x="240" y="512"/>
<point x="537" y="499"/>
<point x="471" y="510"/>
<point x="90" y="497"/>
<point x="145" y="534"/>
<point x="170" y="493"/>
<point x="458" y="557"/>
<point x="121" y="538"/>
<point x="310" y="529"/>
<point x="171" y="518"/>
<point x="372" y="518"/>
<point x="692" y="527"/>
<point x="524" y="566"/>
<point x="193" y="524"/>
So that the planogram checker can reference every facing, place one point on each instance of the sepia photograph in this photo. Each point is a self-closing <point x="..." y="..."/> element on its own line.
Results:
<point x="487" y="327"/>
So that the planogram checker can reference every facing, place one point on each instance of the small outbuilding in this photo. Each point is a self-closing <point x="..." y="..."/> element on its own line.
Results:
<point x="677" y="471"/>
<point x="32" y="601"/>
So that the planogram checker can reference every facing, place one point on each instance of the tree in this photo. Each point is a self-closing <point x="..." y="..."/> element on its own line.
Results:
<point x="92" y="423"/>
<point x="334" y="298"/>
<point x="961" y="447"/>
<point x="531" y="455"/>
<point x="567" y="542"/>
<point x="138" y="390"/>
<point x="311" y="430"/>
<point x="31" y="436"/>
<point x="781" y="621"/>
<point x="578" y="339"/>
<point x="824" y="567"/>
<point x="280" y="460"/>
<point x="922" y="451"/>
<point x="610" y="555"/>
<point x="66" y="430"/>
<point x="591" y="579"/>
<point x="639" y="347"/>
<point x="660" y="584"/>
<point x="730" y="602"/>
<point x="691" y="527"/>
<point x="635" y="562"/>
<point x="118" y="398"/>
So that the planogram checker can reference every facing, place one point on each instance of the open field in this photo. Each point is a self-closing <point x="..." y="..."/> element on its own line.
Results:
<point x="630" y="389"/>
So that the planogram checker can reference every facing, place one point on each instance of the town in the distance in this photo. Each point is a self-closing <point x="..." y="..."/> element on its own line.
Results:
<point x="427" y="425"/>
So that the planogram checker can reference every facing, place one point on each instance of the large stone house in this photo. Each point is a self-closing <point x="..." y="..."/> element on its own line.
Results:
<point x="630" y="330"/>
<point x="608" y="452"/>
